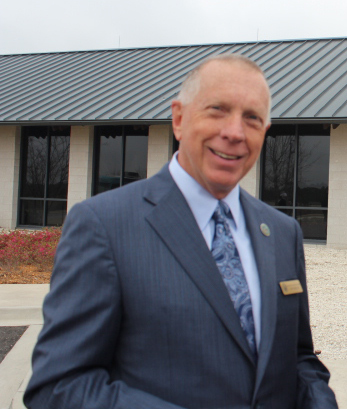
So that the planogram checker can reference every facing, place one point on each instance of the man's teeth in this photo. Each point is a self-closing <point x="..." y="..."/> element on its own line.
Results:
<point x="224" y="156"/>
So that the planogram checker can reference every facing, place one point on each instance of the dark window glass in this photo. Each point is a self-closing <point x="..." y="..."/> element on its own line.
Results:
<point x="58" y="167"/>
<point x="110" y="158"/>
<point x="34" y="164"/>
<point x="313" y="223"/>
<point x="56" y="213"/>
<point x="313" y="171"/>
<point x="135" y="166"/>
<point x="175" y="145"/>
<point x="44" y="174"/>
<point x="121" y="156"/>
<point x="31" y="212"/>
<point x="288" y="212"/>
<point x="278" y="175"/>
<point x="296" y="175"/>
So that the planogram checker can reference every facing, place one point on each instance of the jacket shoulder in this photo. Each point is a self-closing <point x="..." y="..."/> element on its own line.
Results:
<point x="267" y="210"/>
<point x="132" y="198"/>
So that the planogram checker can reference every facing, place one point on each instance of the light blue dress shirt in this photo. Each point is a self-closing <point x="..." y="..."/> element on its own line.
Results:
<point x="203" y="205"/>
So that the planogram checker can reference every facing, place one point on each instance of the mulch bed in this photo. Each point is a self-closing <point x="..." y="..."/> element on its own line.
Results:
<point x="25" y="275"/>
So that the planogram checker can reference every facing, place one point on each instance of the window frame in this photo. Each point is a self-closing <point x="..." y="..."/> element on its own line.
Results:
<point x="294" y="208"/>
<point x="96" y="153"/>
<point x="23" y="161"/>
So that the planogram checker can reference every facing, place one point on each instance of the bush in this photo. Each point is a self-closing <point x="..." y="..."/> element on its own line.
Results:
<point x="36" y="248"/>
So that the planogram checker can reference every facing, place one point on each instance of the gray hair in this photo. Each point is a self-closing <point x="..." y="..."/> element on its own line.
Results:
<point x="191" y="85"/>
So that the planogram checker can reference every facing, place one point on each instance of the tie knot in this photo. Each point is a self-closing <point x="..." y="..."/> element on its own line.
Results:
<point x="222" y="212"/>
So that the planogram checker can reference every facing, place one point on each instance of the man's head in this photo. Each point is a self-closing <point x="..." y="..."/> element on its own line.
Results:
<point x="220" y="118"/>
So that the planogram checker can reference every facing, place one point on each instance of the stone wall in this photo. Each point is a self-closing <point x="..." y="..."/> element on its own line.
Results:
<point x="9" y="175"/>
<point x="337" y="203"/>
<point x="160" y="139"/>
<point x="81" y="164"/>
<point x="251" y="181"/>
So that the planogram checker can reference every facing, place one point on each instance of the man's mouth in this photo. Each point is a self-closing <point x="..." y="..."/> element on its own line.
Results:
<point x="224" y="155"/>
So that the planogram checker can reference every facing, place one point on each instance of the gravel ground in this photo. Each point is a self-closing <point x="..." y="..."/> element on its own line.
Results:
<point x="326" y="271"/>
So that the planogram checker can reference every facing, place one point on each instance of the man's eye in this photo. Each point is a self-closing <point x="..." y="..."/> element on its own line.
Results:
<point x="254" y="120"/>
<point x="253" y="117"/>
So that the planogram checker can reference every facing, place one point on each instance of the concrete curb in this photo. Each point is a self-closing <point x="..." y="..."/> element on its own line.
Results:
<point x="21" y="304"/>
<point x="17" y="402"/>
<point x="15" y="367"/>
<point x="18" y="316"/>
<point x="22" y="295"/>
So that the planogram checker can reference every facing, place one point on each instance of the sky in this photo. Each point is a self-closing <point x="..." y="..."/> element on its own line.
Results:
<point x="35" y="26"/>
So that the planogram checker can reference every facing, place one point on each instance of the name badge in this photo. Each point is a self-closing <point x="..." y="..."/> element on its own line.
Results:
<point x="291" y="287"/>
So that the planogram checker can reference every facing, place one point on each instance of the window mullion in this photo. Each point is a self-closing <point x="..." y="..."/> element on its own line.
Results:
<point x="47" y="177"/>
<point x="123" y="156"/>
<point x="296" y="164"/>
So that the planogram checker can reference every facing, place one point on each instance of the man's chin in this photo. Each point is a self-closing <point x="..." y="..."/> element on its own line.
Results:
<point x="220" y="189"/>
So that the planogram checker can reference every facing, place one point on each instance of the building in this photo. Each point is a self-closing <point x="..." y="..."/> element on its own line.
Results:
<point x="74" y="124"/>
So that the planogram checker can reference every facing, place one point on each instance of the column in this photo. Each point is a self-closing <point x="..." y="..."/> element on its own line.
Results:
<point x="80" y="164"/>
<point x="9" y="175"/>
<point x="251" y="182"/>
<point x="160" y="139"/>
<point x="337" y="202"/>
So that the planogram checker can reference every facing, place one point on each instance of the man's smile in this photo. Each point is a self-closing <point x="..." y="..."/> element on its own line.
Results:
<point x="224" y="155"/>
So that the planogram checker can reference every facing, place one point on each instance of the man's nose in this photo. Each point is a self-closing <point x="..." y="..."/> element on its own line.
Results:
<point x="233" y="129"/>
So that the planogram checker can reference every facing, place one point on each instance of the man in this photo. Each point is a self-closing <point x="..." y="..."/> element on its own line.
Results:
<point x="142" y="311"/>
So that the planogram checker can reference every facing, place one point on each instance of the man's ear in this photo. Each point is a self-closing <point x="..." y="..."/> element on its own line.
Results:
<point x="176" y="109"/>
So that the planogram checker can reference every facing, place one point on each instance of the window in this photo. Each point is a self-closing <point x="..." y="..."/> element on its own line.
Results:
<point x="296" y="175"/>
<point x="44" y="175"/>
<point x="120" y="156"/>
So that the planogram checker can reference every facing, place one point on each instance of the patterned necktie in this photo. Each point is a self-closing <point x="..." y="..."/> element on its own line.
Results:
<point x="228" y="261"/>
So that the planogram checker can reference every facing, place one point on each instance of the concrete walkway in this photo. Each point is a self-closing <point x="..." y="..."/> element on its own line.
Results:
<point x="20" y="304"/>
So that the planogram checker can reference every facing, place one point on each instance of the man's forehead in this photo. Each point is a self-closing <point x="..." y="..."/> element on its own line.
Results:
<point x="219" y="80"/>
<point x="220" y="71"/>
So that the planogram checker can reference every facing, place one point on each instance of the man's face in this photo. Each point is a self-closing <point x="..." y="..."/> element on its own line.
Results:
<point x="221" y="131"/>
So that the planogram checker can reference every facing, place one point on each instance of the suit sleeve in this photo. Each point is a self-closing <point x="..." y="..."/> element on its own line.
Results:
<point x="74" y="357"/>
<point x="313" y="377"/>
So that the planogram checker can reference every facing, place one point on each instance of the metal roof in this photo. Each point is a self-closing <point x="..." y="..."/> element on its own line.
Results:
<point x="308" y="81"/>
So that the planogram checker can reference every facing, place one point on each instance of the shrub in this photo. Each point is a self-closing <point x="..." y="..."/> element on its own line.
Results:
<point x="36" y="248"/>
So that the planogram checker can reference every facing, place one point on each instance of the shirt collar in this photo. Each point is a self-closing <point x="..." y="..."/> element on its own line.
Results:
<point x="201" y="202"/>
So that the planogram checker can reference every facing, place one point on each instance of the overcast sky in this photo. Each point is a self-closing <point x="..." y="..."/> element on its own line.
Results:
<point x="30" y="26"/>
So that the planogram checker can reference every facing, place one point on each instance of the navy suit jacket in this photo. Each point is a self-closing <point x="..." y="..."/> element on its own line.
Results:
<point x="138" y="316"/>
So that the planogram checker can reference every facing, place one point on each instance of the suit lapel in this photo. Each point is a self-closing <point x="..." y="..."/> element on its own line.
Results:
<point x="264" y="252"/>
<point x="175" y="224"/>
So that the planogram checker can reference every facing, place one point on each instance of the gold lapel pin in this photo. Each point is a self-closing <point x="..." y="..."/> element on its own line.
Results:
<point x="265" y="229"/>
